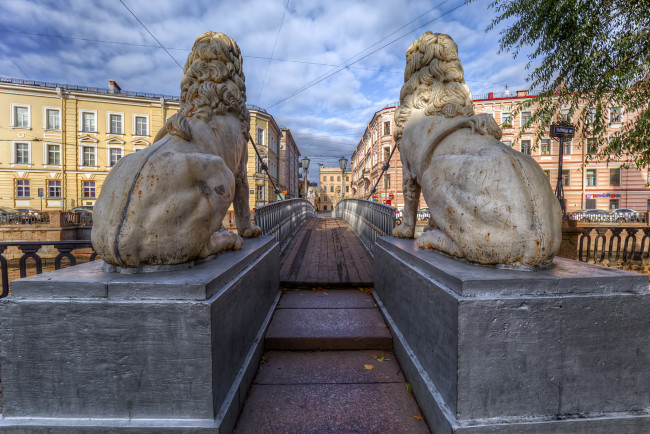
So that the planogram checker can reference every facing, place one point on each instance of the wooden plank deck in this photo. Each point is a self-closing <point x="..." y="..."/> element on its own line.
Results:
<point x="326" y="253"/>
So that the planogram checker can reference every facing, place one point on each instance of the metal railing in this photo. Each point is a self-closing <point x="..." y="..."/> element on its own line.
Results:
<point x="617" y="245"/>
<point x="368" y="219"/>
<point x="29" y="249"/>
<point x="609" y="217"/>
<point x="282" y="219"/>
<point x="78" y="218"/>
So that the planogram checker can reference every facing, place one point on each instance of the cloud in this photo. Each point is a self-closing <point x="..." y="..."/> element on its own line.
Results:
<point x="327" y="118"/>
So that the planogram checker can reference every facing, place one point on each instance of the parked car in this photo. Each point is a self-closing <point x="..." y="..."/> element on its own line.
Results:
<point x="86" y="209"/>
<point x="9" y="215"/>
<point x="591" y="215"/>
<point x="30" y="215"/>
<point x="627" y="215"/>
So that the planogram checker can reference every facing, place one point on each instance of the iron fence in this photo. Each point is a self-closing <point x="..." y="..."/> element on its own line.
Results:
<point x="29" y="250"/>
<point x="618" y="244"/>
<point x="608" y="217"/>
<point x="368" y="219"/>
<point x="282" y="219"/>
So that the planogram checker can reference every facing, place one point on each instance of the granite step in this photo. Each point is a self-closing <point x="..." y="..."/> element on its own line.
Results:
<point x="330" y="392"/>
<point x="327" y="320"/>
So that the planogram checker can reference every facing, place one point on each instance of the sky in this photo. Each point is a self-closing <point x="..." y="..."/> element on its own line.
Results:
<point x="321" y="68"/>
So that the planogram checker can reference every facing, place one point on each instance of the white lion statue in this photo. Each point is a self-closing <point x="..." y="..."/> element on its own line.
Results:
<point x="489" y="204"/>
<point x="164" y="205"/>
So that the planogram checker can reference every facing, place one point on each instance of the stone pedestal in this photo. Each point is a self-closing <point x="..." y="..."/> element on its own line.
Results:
<point x="87" y="351"/>
<point x="566" y="349"/>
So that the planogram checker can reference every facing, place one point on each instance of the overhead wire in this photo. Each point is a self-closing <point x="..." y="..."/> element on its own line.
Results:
<point x="259" y="95"/>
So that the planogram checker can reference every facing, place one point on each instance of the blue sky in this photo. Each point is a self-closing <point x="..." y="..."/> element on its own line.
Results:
<point x="286" y="46"/>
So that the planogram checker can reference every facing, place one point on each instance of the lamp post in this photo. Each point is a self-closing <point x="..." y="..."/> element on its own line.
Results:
<point x="343" y="164"/>
<point x="305" y="168"/>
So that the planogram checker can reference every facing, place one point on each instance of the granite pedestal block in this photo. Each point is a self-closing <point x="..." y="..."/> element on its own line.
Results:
<point x="565" y="349"/>
<point x="87" y="351"/>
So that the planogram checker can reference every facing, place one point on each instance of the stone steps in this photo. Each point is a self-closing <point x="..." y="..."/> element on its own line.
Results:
<point x="328" y="367"/>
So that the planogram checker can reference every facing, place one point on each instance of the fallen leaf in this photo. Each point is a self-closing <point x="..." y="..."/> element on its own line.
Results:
<point x="369" y="367"/>
<point x="263" y="360"/>
<point x="417" y="417"/>
<point x="409" y="389"/>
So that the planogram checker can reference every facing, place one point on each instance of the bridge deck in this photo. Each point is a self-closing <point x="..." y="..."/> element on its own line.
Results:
<point x="326" y="253"/>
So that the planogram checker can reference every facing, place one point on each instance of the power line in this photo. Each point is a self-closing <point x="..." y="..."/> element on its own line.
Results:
<point x="259" y="96"/>
<point x="344" y="66"/>
<point x="156" y="39"/>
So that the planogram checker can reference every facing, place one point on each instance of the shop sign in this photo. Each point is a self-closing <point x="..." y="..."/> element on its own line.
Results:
<point x="594" y="196"/>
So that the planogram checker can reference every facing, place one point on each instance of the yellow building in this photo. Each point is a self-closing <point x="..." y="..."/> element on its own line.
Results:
<point x="59" y="142"/>
<point x="331" y="184"/>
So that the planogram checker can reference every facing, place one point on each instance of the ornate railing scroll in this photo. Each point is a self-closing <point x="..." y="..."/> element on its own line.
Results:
<point x="367" y="219"/>
<point x="30" y="250"/>
<point x="618" y="244"/>
<point x="282" y="219"/>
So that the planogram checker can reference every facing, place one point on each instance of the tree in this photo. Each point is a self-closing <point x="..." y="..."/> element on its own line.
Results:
<point x="592" y="58"/>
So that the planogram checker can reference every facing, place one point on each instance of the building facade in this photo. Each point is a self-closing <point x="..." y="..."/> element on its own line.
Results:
<point x="587" y="183"/>
<point x="289" y="164"/>
<point x="332" y="182"/>
<point x="59" y="142"/>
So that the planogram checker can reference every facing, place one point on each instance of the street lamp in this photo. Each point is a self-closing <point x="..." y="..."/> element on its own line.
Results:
<point x="343" y="164"/>
<point x="305" y="168"/>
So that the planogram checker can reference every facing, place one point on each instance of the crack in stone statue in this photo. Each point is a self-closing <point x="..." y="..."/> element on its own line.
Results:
<point x="489" y="204"/>
<point x="164" y="205"/>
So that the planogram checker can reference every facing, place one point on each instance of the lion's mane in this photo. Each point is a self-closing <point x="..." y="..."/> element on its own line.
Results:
<point x="433" y="80"/>
<point x="213" y="84"/>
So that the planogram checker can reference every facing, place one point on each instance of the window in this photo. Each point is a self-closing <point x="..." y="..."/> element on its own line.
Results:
<point x="525" y="147"/>
<point x="614" y="204"/>
<point x="331" y="189"/>
<point x="88" y="124"/>
<point x="88" y="188"/>
<point x="648" y="205"/>
<point x="347" y="178"/>
<point x="591" y="145"/>
<point x="324" y="178"/>
<point x="525" y="117"/>
<point x="20" y="114"/>
<point x="141" y="126"/>
<point x="590" y="204"/>
<point x="115" y="155"/>
<point x="331" y="178"/>
<point x="506" y="119"/>
<point x="260" y="192"/>
<point x="21" y="153"/>
<point x="386" y="181"/>
<point x="567" y="147"/>
<point x="52" y="119"/>
<point x="22" y="188"/>
<point x="564" y="116"/>
<point x="591" y="177"/>
<point x="615" y="176"/>
<point x="115" y="123"/>
<point x="88" y="156"/>
<point x="614" y="115"/>
<point x="260" y="136"/>
<point x="566" y="178"/>
<point x="338" y="178"/>
<point x="53" y="155"/>
<point x="507" y="143"/>
<point x="347" y="188"/>
<point x="545" y="147"/>
<point x="386" y="154"/>
<point x="386" y="128"/>
<point x="53" y="188"/>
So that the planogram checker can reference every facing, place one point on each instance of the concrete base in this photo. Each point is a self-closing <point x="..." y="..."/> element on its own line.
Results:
<point x="85" y="351"/>
<point x="565" y="349"/>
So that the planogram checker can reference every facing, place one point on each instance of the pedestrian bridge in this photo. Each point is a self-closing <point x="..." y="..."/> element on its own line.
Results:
<point x="327" y="324"/>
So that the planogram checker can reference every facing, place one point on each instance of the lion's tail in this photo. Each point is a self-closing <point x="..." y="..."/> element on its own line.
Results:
<point x="177" y="125"/>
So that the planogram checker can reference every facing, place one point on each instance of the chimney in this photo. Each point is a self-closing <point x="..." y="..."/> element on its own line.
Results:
<point x="113" y="87"/>
<point x="491" y="95"/>
<point x="522" y="93"/>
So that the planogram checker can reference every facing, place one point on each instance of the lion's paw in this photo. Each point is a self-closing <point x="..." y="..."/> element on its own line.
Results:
<point x="403" y="231"/>
<point x="253" y="231"/>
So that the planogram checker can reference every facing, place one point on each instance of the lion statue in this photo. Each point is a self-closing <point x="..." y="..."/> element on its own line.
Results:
<point x="489" y="204"/>
<point x="164" y="205"/>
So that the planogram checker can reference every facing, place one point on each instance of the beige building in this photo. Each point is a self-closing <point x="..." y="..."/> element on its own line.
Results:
<point x="59" y="142"/>
<point x="289" y="164"/>
<point x="587" y="184"/>
<point x="331" y="185"/>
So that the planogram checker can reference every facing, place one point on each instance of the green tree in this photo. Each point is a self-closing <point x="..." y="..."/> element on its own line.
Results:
<point x="591" y="57"/>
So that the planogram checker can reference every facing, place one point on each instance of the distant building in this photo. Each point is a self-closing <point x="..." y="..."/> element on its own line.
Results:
<point x="331" y="183"/>
<point x="289" y="163"/>
<point x="587" y="184"/>
<point x="266" y="133"/>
